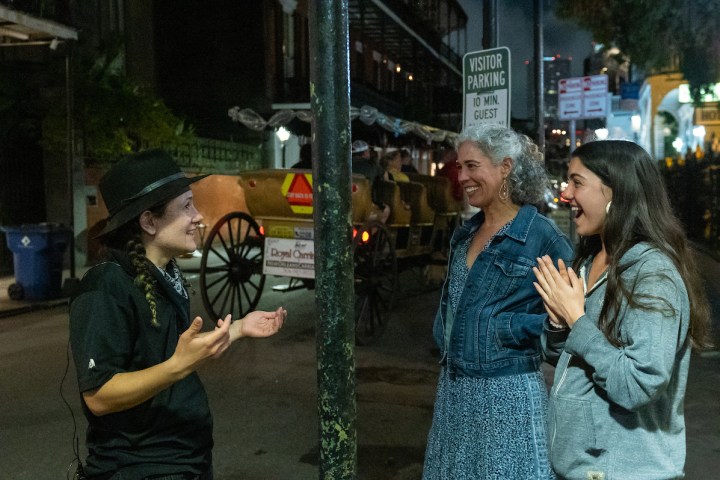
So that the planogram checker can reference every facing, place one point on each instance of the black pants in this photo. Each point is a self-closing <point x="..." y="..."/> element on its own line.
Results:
<point x="173" y="476"/>
<point x="183" y="476"/>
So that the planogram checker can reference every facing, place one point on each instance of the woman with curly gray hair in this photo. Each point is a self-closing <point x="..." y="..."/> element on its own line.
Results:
<point x="490" y="412"/>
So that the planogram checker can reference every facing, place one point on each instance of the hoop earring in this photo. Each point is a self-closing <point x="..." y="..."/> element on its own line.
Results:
<point x="504" y="193"/>
<point x="607" y="207"/>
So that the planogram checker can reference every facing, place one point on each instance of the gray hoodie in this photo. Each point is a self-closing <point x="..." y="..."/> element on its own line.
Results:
<point x="617" y="412"/>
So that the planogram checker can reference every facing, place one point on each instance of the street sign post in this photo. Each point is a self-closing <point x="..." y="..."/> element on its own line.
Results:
<point x="486" y="87"/>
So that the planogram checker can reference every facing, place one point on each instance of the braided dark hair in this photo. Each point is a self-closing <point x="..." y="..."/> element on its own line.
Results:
<point x="128" y="238"/>
<point x="144" y="279"/>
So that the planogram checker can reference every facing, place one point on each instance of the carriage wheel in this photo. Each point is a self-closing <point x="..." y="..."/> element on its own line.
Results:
<point x="231" y="278"/>
<point x="375" y="281"/>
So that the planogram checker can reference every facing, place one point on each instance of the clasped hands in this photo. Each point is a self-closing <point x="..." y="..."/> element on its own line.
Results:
<point x="561" y="290"/>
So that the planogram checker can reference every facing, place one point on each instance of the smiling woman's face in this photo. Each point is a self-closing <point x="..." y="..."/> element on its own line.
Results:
<point x="176" y="228"/>
<point x="588" y="196"/>
<point x="478" y="176"/>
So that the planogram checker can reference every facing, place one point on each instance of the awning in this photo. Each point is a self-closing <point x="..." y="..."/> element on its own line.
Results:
<point x="366" y="114"/>
<point x="21" y="29"/>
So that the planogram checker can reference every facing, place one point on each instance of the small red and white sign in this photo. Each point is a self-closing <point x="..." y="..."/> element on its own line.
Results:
<point x="583" y="97"/>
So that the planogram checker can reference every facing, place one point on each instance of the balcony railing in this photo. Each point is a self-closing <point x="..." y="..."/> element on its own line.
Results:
<point x="215" y="156"/>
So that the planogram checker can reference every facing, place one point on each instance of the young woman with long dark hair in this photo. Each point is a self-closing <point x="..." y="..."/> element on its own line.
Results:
<point x="631" y="309"/>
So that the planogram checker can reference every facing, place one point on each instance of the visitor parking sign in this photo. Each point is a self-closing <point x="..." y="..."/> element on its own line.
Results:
<point x="486" y="87"/>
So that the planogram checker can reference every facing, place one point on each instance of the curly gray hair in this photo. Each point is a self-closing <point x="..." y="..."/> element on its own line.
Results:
<point x="528" y="178"/>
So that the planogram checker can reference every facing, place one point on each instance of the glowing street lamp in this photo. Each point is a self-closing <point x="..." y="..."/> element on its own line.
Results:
<point x="678" y="144"/>
<point x="283" y="135"/>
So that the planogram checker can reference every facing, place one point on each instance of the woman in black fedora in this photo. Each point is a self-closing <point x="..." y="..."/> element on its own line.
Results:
<point x="135" y="347"/>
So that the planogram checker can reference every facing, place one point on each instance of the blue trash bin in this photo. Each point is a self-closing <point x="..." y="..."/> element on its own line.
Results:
<point x="38" y="251"/>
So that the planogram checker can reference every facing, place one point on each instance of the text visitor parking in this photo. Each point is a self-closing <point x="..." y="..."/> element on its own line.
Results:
<point x="486" y="80"/>
<point x="486" y="72"/>
<point x="487" y="62"/>
<point x="486" y="87"/>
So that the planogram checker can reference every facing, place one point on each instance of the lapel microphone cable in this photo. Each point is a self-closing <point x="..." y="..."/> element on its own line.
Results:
<point x="79" y="473"/>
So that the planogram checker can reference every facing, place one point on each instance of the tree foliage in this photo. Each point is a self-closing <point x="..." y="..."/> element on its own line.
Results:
<point x="657" y="34"/>
<point x="112" y="115"/>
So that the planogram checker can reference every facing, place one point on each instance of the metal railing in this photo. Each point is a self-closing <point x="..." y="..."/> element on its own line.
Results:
<point x="215" y="156"/>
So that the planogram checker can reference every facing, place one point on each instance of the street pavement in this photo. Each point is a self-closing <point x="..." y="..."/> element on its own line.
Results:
<point x="263" y="392"/>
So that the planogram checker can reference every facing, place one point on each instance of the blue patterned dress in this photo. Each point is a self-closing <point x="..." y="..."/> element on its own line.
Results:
<point x="487" y="428"/>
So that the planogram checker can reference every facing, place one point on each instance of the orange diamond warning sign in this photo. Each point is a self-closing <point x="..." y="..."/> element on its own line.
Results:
<point x="297" y="188"/>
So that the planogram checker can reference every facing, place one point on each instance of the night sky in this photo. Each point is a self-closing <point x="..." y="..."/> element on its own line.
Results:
<point x="515" y="31"/>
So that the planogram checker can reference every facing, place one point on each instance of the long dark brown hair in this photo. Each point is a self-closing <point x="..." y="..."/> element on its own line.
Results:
<point x="640" y="212"/>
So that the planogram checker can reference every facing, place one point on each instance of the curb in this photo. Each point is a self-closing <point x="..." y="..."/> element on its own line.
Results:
<point x="31" y="308"/>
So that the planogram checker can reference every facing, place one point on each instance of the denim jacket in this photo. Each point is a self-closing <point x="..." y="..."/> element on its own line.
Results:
<point x="499" y="318"/>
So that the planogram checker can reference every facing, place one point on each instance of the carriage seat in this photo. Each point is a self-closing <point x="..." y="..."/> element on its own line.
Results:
<point x="389" y="193"/>
<point x="415" y="194"/>
<point x="265" y="198"/>
<point x="439" y="193"/>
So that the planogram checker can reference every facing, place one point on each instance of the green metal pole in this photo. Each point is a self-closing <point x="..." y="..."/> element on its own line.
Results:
<point x="330" y="103"/>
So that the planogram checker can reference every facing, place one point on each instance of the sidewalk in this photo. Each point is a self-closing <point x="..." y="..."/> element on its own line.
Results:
<point x="189" y="264"/>
<point x="9" y="307"/>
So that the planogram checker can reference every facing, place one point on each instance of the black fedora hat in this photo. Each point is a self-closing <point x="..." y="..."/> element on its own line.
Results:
<point x="138" y="182"/>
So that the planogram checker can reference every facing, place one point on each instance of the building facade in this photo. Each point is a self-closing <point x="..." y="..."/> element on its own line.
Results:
<point x="203" y="58"/>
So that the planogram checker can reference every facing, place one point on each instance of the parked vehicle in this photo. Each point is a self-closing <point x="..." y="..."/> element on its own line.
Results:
<point x="276" y="237"/>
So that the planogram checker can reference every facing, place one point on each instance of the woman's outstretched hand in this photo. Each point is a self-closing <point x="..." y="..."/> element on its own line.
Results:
<point x="561" y="290"/>
<point x="258" y="324"/>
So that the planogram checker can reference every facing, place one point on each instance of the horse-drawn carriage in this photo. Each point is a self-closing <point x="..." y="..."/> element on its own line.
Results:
<point x="277" y="238"/>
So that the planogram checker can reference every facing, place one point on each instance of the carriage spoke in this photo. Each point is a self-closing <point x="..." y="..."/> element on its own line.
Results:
<point x="247" y="295"/>
<point x="246" y="245"/>
<point x="221" y="290"/>
<point x="375" y="278"/>
<point x="237" y="242"/>
<point x="217" y="269"/>
<point x="220" y="279"/>
<point x="232" y="237"/>
<point x="224" y="244"/>
<point x="220" y="255"/>
<point x="228" y="293"/>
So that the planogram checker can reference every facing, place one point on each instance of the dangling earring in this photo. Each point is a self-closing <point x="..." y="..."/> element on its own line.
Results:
<point x="504" y="191"/>
<point x="607" y="207"/>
